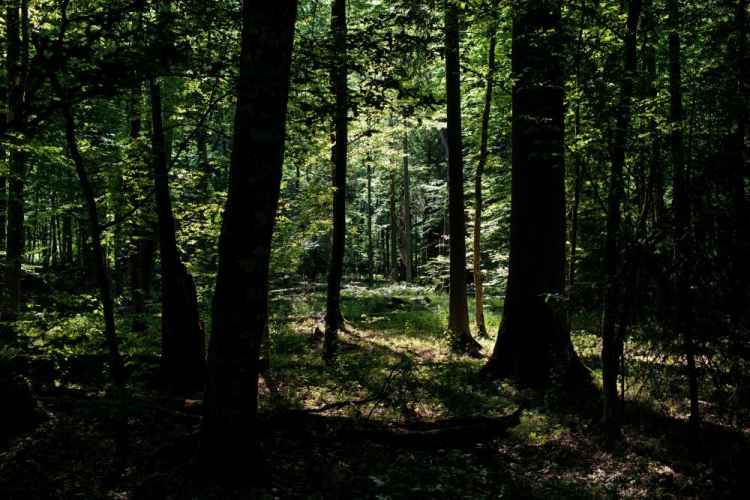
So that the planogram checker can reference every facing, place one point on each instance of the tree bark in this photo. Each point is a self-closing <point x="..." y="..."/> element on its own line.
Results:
<point x="458" y="309"/>
<point x="336" y="270"/>
<point x="477" y="254"/>
<point x="610" y="342"/>
<point x="230" y="448"/>
<point x="533" y="334"/>
<point x="183" y="361"/>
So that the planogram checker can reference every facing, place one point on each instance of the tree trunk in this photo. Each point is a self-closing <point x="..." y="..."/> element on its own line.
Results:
<point x="393" y="230"/>
<point x="336" y="271"/>
<point x="230" y="448"/>
<point x="458" y="309"/>
<point x="183" y="362"/>
<point x="406" y="250"/>
<point x="683" y="252"/>
<point x="370" y="254"/>
<point x="16" y="158"/>
<point x="533" y="333"/>
<point x="612" y="286"/>
<point x="477" y="254"/>
<point x="116" y="371"/>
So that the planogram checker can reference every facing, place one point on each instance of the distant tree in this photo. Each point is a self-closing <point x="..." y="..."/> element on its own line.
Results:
<point x="230" y="448"/>
<point x="533" y="331"/>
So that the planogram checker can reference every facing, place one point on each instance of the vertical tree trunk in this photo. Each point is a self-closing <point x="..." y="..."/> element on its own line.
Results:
<point x="183" y="364"/>
<point x="370" y="254"/>
<point x="577" y="176"/>
<point x="406" y="250"/>
<point x="116" y="371"/>
<point x="230" y="446"/>
<point x="336" y="271"/>
<point x="458" y="309"/>
<point x="610" y="342"/>
<point x="683" y="251"/>
<point x="533" y="333"/>
<point x="393" y="229"/>
<point x="477" y="254"/>
<point x="16" y="71"/>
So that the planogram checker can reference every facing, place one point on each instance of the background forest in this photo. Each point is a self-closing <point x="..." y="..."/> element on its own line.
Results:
<point x="374" y="249"/>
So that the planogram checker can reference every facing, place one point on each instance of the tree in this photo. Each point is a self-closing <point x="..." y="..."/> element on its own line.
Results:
<point x="340" y="148"/>
<point x="477" y="255"/>
<point x="183" y="361"/>
<point x="406" y="250"/>
<point x="533" y="331"/>
<point x="230" y="446"/>
<point x="458" y="314"/>
<point x="17" y="57"/>
<point x="611" y="343"/>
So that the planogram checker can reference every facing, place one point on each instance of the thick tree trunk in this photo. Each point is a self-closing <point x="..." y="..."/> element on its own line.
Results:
<point x="458" y="308"/>
<point x="16" y="71"/>
<point x="610" y="342"/>
<point x="406" y="250"/>
<point x="477" y="254"/>
<point x="116" y="370"/>
<point x="336" y="271"/>
<point x="230" y="448"/>
<point x="183" y="362"/>
<point x="533" y="333"/>
<point x="684" y="319"/>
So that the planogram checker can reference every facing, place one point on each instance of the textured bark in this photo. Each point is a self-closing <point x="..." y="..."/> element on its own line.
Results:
<point x="533" y="331"/>
<point x="685" y="317"/>
<point x="458" y="307"/>
<point x="338" y="245"/>
<point x="116" y="367"/>
<point x="16" y="72"/>
<point x="183" y="361"/>
<point x="477" y="254"/>
<point x="406" y="249"/>
<point x="230" y="448"/>
<point x="610" y="343"/>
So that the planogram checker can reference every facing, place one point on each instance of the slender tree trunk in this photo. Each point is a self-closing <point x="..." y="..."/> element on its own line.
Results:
<point x="610" y="341"/>
<point x="116" y="371"/>
<point x="393" y="230"/>
<point x="683" y="251"/>
<point x="406" y="251"/>
<point x="577" y="179"/>
<point x="230" y="448"/>
<point x="336" y="271"/>
<point x="458" y="309"/>
<point x="16" y="70"/>
<point x="183" y="362"/>
<point x="370" y="254"/>
<point x="533" y="334"/>
<point x="477" y="261"/>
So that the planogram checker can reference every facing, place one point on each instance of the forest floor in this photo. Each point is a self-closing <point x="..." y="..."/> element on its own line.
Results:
<point x="394" y="370"/>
